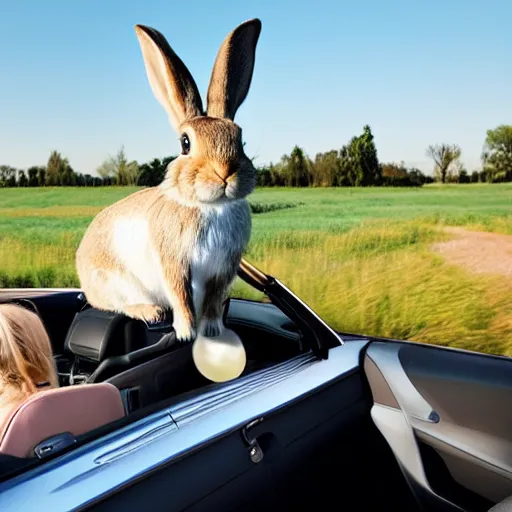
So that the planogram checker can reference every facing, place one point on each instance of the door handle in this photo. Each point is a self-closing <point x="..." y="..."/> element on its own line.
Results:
<point x="255" y="451"/>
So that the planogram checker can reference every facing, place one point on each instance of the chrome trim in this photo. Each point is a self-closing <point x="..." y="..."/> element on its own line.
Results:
<point x="28" y="290"/>
<point x="24" y="293"/>
<point x="167" y="426"/>
<point x="76" y="478"/>
<point x="134" y="439"/>
<point x="194" y="408"/>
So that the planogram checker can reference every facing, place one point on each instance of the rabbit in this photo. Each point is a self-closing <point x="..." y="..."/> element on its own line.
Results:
<point x="178" y="246"/>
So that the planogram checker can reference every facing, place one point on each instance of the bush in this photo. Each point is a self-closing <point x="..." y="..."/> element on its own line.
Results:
<point x="272" y="207"/>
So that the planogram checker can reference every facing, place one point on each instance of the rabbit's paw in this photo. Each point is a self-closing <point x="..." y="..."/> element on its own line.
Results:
<point x="149" y="313"/>
<point x="211" y="328"/>
<point x="185" y="331"/>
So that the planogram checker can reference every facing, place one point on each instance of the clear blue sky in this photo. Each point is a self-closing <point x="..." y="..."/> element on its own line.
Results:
<point x="72" y="76"/>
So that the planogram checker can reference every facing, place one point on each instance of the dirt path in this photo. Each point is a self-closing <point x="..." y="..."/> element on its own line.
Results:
<point x="478" y="251"/>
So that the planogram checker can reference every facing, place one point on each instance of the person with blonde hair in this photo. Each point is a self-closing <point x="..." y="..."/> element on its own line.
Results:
<point x="26" y="360"/>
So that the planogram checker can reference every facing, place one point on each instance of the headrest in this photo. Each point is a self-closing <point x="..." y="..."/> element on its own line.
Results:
<point x="75" y="410"/>
<point x="96" y="335"/>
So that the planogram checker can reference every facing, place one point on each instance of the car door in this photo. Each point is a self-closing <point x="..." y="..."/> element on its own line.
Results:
<point x="447" y="416"/>
<point x="293" y="435"/>
<point x="313" y="448"/>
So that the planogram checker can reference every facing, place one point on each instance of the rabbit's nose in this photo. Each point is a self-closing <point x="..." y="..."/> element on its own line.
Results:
<point x="226" y="171"/>
<point x="231" y="169"/>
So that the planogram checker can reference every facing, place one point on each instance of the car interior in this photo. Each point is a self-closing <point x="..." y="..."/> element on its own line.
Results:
<point x="143" y="364"/>
<point x="412" y="427"/>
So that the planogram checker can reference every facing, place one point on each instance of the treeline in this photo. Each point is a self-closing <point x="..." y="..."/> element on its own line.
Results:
<point x="58" y="172"/>
<point x="356" y="164"/>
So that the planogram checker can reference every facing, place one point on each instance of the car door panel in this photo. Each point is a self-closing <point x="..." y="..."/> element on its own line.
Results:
<point x="472" y="472"/>
<point x="219" y="476"/>
<point x="316" y="450"/>
<point x="222" y="476"/>
<point x="262" y="316"/>
<point x="457" y="403"/>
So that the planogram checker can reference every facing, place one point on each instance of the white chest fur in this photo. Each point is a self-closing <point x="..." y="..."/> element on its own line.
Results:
<point x="134" y="248"/>
<point x="223" y="238"/>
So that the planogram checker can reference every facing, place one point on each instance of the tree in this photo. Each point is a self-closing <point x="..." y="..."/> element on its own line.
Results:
<point x="299" y="168"/>
<point x="474" y="177"/>
<point x="359" y="165"/>
<point x="293" y="170"/>
<point x="33" y="176"/>
<point x="277" y="178"/>
<point x="80" y="180"/>
<point x="394" y="174"/>
<point x="397" y="175"/>
<point x="120" y="169"/>
<point x="22" y="179"/>
<point x="153" y="173"/>
<point x="326" y="169"/>
<point x="497" y="154"/>
<point x="464" y="176"/>
<point x="368" y="158"/>
<point x="263" y="176"/>
<point x="281" y="173"/>
<point x="67" y="177"/>
<point x="53" y="168"/>
<point x="41" y="176"/>
<point x="417" y="178"/>
<point x="444" y="155"/>
<point x="455" y="171"/>
<point x="7" y="176"/>
<point x="106" y="169"/>
<point x="58" y="170"/>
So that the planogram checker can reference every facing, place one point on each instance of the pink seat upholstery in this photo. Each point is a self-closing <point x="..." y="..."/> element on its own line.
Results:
<point x="75" y="409"/>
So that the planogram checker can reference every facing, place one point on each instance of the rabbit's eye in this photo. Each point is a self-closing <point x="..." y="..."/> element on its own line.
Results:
<point x="185" y="144"/>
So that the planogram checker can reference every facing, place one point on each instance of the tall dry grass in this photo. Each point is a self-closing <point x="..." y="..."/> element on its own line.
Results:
<point x="383" y="280"/>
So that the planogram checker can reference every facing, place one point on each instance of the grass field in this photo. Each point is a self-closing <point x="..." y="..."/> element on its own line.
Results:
<point x="362" y="258"/>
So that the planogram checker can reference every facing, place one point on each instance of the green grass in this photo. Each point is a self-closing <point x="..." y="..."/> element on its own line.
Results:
<point x="360" y="257"/>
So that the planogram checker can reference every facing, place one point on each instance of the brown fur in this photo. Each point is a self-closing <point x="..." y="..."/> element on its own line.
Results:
<point x="180" y="97"/>
<point x="232" y="71"/>
<point x="95" y="250"/>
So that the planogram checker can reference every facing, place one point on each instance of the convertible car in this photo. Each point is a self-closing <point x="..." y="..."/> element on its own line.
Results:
<point x="319" y="419"/>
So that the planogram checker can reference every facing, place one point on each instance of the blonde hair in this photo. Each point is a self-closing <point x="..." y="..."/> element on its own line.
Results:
<point x="25" y="352"/>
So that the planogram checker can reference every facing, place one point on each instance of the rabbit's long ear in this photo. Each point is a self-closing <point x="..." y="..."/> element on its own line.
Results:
<point x="232" y="71"/>
<point x="170" y="80"/>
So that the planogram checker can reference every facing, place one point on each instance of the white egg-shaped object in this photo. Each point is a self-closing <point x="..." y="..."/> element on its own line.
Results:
<point x="221" y="358"/>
